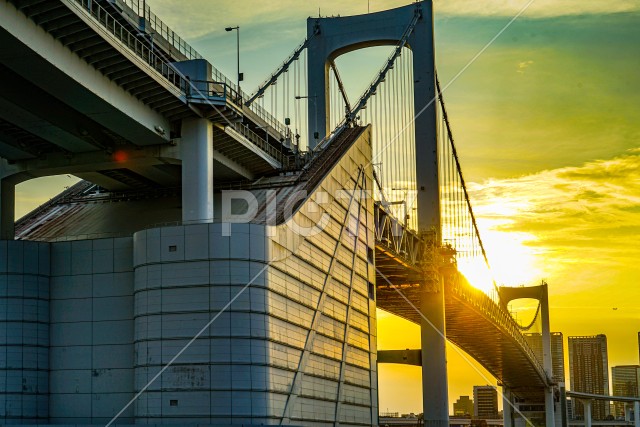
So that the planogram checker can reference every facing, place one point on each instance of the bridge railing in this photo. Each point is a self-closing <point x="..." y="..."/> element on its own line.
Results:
<point x="206" y="89"/>
<point x="147" y="17"/>
<point x="500" y="316"/>
<point x="258" y="141"/>
<point x="159" y="27"/>
<point x="111" y="25"/>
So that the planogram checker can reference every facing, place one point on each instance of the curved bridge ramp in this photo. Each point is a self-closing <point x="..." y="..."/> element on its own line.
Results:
<point x="494" y="340"/>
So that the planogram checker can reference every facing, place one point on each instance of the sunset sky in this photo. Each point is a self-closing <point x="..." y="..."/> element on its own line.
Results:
<point x="547" y="123"/>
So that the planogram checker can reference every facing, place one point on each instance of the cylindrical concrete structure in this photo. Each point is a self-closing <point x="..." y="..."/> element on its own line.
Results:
<point x="435" y="390"/>
<point x="197" y="170"/>
<point x="587" y="413"/>
<point x="24" y="332"/>
<point x="507" y="407"/>
<point x="546" y="356"/>
<point x="180" y="286"/>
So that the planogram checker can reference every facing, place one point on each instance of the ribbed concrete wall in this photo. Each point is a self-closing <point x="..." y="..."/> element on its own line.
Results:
<point x="296" y="346"/>
<point x="184" y="277"/>
<point x="24" y="332"/>
<point x="91" y="351"/>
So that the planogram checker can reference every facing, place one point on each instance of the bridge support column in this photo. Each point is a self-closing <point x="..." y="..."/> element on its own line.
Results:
<point x="434" y="358"/>
<point x="549" y="403"/>
<point x="507" y="407"/>
<point x="197" y="170"/>
<point x="7" y="209"/>
<point x="636" y="414"/>
<point x="587" y="413"/>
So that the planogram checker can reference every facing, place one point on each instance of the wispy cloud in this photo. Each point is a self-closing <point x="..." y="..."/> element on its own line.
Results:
<point x="524" y="65"/>
<point x="580" y="221"/>
<point x="540" y="8"/>
<point x="196" y="18"/>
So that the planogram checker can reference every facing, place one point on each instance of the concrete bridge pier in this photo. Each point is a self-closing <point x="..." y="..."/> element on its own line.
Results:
<point x="197" y="170"/>
<point x="507" y="407"/>
<point x="540" y="293"/>
<point x="434" y="358"/>
<point x="549" y="403"/>
<point x="587" y="413"/>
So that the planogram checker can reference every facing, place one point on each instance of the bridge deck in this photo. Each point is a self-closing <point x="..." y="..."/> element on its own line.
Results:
<point x="478" y="326"/>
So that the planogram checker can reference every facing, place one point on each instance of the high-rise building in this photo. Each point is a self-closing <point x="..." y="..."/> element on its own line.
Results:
<point x="625" y="380"/>
<point x="570" y="409"/>
<point x="463" y="407"/>
<point x="485" y="402"/>
<point x="589" y="367"/>
<point x="557" y="352"/>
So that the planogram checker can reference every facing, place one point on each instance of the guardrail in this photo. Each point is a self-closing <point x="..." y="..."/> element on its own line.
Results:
<point x="144" y="51"/>
<point x="211" y="89"/>
<point x="259" y="142"/>
<point x="501" y="318"/>
<point x="133" y="43"/>
<point x="158" y="26"/>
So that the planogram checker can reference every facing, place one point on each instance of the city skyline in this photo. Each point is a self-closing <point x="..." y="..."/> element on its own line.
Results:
<point x="625" y="381"/>
<point x="523" y="58"/>
<point x="557" y="340"/>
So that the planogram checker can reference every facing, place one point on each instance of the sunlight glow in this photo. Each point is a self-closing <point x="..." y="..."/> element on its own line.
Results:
<point x="512" y="261"/>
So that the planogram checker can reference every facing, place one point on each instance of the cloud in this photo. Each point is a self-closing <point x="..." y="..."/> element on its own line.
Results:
<point x="581" y="222"/>
<point x="537" y="9"/>
<point x="196" y="18"/>
<point x="524" y="65"/>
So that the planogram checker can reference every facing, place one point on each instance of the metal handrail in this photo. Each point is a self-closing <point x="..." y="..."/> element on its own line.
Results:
<point x="133" y="43"/>
<point x="258" y="141"/>
<point x="495" y="312"/>
<point x="160" y="28"/>
<point x="168" y="71"/>
<point x="267" y="117"/>
<point x="212" y="89"/>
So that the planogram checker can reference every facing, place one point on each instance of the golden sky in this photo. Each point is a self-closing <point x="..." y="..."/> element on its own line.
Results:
<point x="547" y="123"/>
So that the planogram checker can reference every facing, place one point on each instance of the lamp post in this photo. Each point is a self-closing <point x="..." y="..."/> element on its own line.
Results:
<point x="237" y="28"/>
<point x="315" y="111"/>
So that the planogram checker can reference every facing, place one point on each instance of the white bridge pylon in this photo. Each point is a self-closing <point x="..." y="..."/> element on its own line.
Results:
<point x="412" y="27"/>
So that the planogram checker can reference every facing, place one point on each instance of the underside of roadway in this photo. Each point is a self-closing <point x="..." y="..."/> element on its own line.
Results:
<point x="470" y="328"/>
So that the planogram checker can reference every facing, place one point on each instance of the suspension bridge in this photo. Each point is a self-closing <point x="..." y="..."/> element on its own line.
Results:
<point x="104" y="90"/>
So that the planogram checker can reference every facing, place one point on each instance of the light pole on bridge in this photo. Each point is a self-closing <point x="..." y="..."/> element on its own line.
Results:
<point x="316" y="135"/>
<point x="237" y="28"/>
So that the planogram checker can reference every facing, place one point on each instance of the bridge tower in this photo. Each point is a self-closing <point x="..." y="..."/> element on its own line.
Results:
<point x="540" y="293"/>
<point x="328" y="39"/>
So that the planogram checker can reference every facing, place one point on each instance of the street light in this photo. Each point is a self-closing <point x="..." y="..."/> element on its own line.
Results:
<point x="237" y="28"/>
<point x="315" y="110"/>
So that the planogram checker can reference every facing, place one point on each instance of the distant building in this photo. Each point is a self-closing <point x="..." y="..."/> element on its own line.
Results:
<point x="485" y="402"/>
<point x="557" y="352"/>
<point x="463" y="407"/>
<point x="589" y="367"/>
<point x="625" y="380"/>
<point x="570" y="414"/>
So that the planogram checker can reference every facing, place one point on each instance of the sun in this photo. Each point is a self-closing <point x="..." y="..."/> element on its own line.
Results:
<point x="512" y="261"/>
